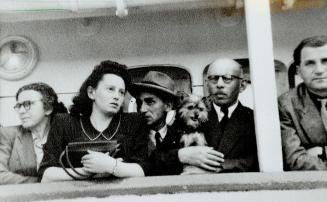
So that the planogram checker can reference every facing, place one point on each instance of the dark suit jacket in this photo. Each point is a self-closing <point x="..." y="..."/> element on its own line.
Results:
<point x="238" y="142"/>
<point x="17" y="156"/>
<point x="164" y="159"/>
<point x="301" y="129"/>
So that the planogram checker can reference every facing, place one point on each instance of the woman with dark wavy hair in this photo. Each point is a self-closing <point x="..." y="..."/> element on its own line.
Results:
<point x="21" y="146"/>
<point x="96" y="115"/>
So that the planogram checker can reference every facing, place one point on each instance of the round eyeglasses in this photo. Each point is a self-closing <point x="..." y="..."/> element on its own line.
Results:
<point x="26" y="104"/>
<point x="226" y="78"/>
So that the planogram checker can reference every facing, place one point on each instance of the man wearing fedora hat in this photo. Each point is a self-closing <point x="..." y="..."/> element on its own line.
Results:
<point x="155" y="97"/>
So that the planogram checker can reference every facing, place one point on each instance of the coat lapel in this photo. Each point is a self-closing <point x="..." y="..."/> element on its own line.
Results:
<point x="171" y="139"/>
<point x="168" y="138"/>
<point x="25" y="149"/>
<point x="309" y="118"/>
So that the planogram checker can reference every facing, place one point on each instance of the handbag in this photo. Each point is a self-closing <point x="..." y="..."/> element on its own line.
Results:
<point x="74" y="152"/>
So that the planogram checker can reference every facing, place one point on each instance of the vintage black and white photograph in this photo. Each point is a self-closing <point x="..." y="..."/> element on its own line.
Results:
<point x="163" y="100"/>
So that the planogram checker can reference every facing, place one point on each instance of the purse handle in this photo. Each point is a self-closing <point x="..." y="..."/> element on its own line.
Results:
<point x="84" y="177"/>
<point x="72" y="167"/>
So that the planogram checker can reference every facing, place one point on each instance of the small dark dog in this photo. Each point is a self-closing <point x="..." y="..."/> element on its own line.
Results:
<point x="191" y="115"/>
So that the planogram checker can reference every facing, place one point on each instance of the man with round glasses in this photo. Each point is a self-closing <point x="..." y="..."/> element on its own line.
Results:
<point x="231" y="124"/>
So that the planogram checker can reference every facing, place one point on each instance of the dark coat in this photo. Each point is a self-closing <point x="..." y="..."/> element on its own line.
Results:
<point x="301" y="128"/>
<point x="238" y="142"/>
<point x="127" y="128"/>
<point x="164" y="159"/>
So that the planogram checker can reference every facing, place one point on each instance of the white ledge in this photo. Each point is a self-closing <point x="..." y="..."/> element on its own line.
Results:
<point x="166" y="185"/>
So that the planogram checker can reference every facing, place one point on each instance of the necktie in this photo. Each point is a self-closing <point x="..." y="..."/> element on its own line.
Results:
<point x="157" y="136"/>
<point x="224" y="120"/>
<point x="323" y="112"/>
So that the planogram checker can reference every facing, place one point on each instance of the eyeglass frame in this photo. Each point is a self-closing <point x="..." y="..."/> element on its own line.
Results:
<point x="26" y="104"/>
<point x="227" y="78"/>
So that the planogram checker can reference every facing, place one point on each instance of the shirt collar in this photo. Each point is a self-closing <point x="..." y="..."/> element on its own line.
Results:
<point x="231" y="109"/>
<point x="42" y="141"/>
<point x="162" y="131"/>
<point x="315" y="99"/>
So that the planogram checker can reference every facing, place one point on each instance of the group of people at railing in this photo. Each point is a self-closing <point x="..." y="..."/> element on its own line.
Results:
<point x="213" y="134"/>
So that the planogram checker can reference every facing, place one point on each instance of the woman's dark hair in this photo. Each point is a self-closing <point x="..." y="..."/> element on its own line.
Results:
<point x="49" y="97"/>
<point x="315" y="41"/>
<point x="82" y="104"/>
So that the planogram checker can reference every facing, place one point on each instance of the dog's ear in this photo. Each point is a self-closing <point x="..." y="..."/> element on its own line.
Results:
<point x="181" y="96"/>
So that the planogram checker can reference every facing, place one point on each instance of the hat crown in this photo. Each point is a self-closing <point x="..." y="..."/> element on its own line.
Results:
<point x="159" y="79"/>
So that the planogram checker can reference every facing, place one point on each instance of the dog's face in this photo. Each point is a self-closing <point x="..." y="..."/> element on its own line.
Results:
<point x="193" y="112"/>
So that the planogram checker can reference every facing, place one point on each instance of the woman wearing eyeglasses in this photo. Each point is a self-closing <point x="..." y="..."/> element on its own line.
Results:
<point x="21" y="146"/>
<point x="96" y="115"/>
